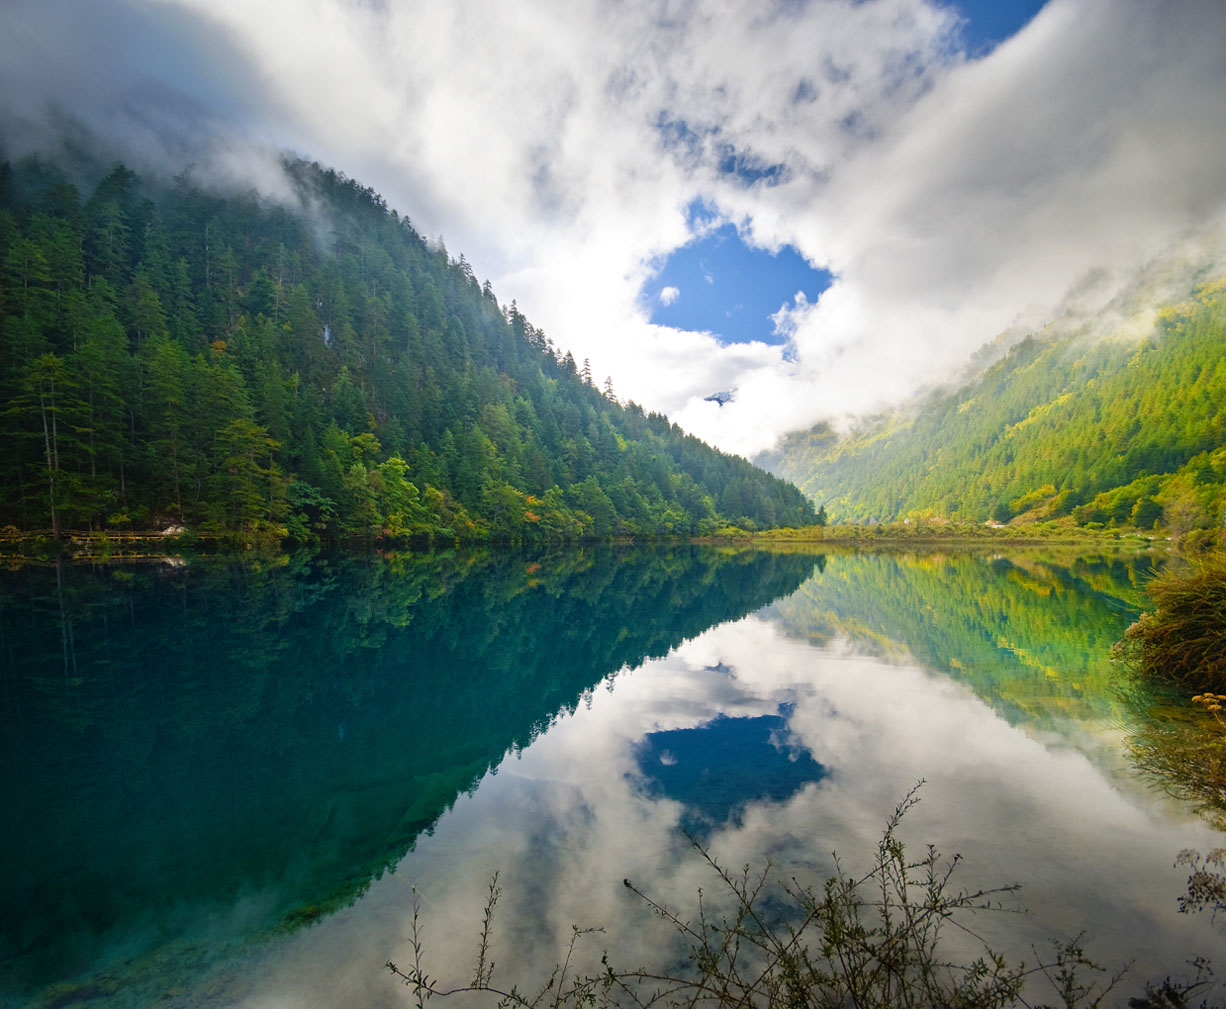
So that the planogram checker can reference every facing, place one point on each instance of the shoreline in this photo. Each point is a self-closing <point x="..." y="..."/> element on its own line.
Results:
<point x="179" y="543"/>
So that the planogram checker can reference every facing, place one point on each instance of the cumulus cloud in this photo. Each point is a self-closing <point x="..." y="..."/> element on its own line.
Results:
<point x="789" y="317"/>
<point x="560" y="144"/>
<point x="669" y="294"/>
<point x="1081" y="148"/>
<point x="1082" y="145"/>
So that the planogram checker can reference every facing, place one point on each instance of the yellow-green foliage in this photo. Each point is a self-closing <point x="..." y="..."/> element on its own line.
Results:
<point x="1030" y="632"/>
<point x="1095" y="432"/>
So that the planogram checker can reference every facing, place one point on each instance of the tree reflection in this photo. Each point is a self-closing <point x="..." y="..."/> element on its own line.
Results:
<point x="179" y="740"/>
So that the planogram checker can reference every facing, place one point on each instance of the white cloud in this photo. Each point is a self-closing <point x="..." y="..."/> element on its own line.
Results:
<point x="1082" y="147"/>
<point x="788" y="318"/>
<point x="669" y="295"/>
<point x="1078" y="146"/>
<point x="558" y="145"/>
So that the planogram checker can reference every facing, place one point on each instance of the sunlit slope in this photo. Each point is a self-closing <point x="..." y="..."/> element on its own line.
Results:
<point x="1119" y="429"/>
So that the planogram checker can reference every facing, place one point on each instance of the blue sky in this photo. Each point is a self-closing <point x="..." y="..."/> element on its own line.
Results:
<point x="989" y="22"/>
<point x="719" y="284"/>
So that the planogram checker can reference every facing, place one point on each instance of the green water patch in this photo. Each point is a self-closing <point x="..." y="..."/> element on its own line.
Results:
<point x="1030" y="634"/>
<point x="198" y="755"/>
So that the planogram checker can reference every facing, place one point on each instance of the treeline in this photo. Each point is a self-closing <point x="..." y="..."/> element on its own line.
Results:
<point x="244" y="368"/>
<point x="1101" y="433"/>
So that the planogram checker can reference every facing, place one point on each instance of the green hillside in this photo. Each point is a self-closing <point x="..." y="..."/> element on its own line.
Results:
<point x="1096" y="431"/>
<point x="308" y="368"/>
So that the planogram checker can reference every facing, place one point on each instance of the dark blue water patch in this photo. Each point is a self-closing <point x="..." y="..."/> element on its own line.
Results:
<point x="717" y="769"/>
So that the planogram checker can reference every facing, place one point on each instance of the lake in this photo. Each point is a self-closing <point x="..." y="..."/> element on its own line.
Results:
<point x="225" y="781"/>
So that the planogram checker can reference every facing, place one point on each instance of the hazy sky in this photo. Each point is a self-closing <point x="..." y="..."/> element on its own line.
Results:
<point x="928" y="175"/>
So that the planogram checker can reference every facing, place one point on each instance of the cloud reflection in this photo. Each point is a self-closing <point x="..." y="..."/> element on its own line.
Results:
<point x="566" y="819"/>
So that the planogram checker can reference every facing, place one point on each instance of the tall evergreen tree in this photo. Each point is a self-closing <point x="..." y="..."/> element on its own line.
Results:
<point x="199" y="358"/>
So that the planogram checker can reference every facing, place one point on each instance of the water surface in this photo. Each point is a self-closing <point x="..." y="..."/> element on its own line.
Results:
<point x="212" y="769"/>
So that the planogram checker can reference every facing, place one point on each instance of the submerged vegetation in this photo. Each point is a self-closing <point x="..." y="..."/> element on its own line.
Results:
<point x="1184" y="752"/>
<point x="1183" y="748"/>
<point x="1178" y="647"/>
<point x="1175" y="648"/>
<point x="868" y="941"/>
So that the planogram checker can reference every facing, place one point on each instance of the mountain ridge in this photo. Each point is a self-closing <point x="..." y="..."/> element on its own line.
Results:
<point x="1126" y="429"/>
<point x="251" y="369"/>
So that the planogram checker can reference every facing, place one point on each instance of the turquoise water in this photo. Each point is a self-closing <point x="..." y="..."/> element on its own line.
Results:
<point x="224" y="781"/>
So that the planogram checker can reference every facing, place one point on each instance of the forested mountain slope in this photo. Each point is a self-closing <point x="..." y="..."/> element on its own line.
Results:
<point x="311" y="367"/>
<point x="1109" y="430"/>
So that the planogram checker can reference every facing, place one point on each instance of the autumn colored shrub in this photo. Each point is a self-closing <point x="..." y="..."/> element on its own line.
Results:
<point x="1182" y="641"/>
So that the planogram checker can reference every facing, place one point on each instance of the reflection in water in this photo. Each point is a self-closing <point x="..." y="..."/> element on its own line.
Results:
<point x="988" y="678"/>
<point x="1028" y="634"/>
<point x="716" y="769"/>
<point x="194" y="754"/>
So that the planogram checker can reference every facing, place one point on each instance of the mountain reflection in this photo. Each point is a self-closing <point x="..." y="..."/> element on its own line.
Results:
<point x="192" y="750"/>
<point x="1030" y="633"/>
